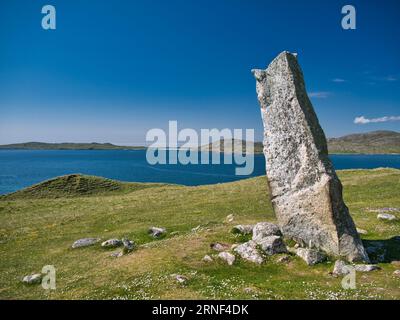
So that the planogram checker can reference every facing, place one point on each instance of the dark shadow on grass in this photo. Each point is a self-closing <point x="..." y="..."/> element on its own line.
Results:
<point x="383" y="251"/>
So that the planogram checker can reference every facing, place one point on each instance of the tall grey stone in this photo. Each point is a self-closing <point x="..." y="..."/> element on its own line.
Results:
<point x="305" y="191"/>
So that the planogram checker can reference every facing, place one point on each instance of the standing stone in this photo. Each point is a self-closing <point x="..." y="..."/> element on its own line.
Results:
<point x="305" y="192"/>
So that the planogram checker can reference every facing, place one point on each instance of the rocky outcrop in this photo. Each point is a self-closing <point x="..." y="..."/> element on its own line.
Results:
<point x="248" y="251"/>
<point x="265" y="229"/>
<point x="272" y="245"/>
<point x="311" y="256"/>
<point x="305" y="191"/>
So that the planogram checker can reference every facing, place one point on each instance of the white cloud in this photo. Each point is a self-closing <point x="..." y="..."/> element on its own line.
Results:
<point x="319" y="94"/>
<point x="363" y="120"/>
<point x="338" y="80"/>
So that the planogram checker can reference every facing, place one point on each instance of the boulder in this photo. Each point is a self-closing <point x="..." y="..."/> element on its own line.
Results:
<point x="341" y="268"/>
<point x="207" y="258"/>
<point x="396" y="273"/>
<point x="111" y="243"/>
<point x="305" y="192"/>
<point x="85" y="242"/>
<point x="35" y="278"/>
<point x="243" y="229"/>
<point x="229" y="258"/>
<point x="366" y="267"/>
<point x="265" y="229"/>
<point x="157" y="232"/>
<point x="386" y="216"/>
<point x="217" y="246"/>
<point x="249" y="251"/>
<point x="272" y="245"/>
<point x="129" y="246"/>
<point x="311" y="256"/>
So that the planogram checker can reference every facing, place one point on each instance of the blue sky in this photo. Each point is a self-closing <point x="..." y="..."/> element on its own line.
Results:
<point x="114" y="69"/>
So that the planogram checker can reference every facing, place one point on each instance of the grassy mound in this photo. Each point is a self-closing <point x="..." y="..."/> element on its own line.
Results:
<point x="76" y="185"/>
<point x="39" y="232"/>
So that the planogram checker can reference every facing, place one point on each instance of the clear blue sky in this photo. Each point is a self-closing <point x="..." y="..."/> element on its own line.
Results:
<point x="114" y="69"/>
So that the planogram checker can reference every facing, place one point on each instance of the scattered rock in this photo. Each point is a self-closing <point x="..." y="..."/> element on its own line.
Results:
<point x="235" y="245"/>
<point x="248" y="251"/>
<point x="362" y="231"/>
<point x="111" y="243"/>
<point x="157" y="232"/>
<point x="284" y="259"/>
<point x="396" y="263"/>
<point x="196" y="228"/>
<point x="85" y="242"/>
<point x="180" y="278"/>
<point x="207" y="258"/>
<point x="117" y="254"/>
<point x="305" y="191"/>
<point x="386" y="216"/>
<point x="366" y="267"/>
<point x="341" y="268"/>
<point x="265" y="229"/>
<point x="272" y="245"/>
<point x="396" y="273"/>
<point x="229" y="218"/>
<point x="217" y="246"/>
<point x="128" y="246"/>
<point x="33" y="279"/>
<point x="243" y="229"/>
<point x="311" y="256"/>
<point x="227" y="257"/>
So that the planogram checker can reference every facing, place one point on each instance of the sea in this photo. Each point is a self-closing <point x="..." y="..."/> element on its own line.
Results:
<point x="22" y="168"/>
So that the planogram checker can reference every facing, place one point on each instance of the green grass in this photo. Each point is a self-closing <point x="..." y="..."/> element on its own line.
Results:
<point x="77" y="185"/>
<point x="37" y="231"/>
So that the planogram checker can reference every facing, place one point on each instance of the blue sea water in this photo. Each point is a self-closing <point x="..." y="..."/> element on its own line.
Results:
<point x="22" y="168"/>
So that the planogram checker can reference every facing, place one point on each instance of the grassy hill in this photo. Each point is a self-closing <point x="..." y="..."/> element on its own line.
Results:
<point x="76" y="185"/>
<point x="66" y="146"/>
<point x="375" y="142"/>
<point x="37" y="231"/>
<point x="371" y="143"/>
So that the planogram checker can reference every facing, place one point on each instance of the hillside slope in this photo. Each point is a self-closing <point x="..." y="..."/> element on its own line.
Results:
<point x="371" y="142"/>
<point x="375" y="142"/>
<point x="38" y="232"/>
<point x="76" y="185"/>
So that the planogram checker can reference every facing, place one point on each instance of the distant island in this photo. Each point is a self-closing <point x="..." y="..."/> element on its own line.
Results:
<point x="375" y="142"/>
<point x="66" y="146"/>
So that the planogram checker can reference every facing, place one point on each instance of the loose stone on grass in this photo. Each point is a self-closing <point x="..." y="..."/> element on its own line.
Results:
<point x="248" y="251"/>
<point x="229" y="258"/>
<point x="265" y="229"/>
<point x="85" y="242"/>
<point x="111" y="243"/>
<point x="386" y="216"/>
<point x="311" y="256"/>
<point x="157" y="232"/>
<point x="244" y="229"/>
<point x="35" y="278"/>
